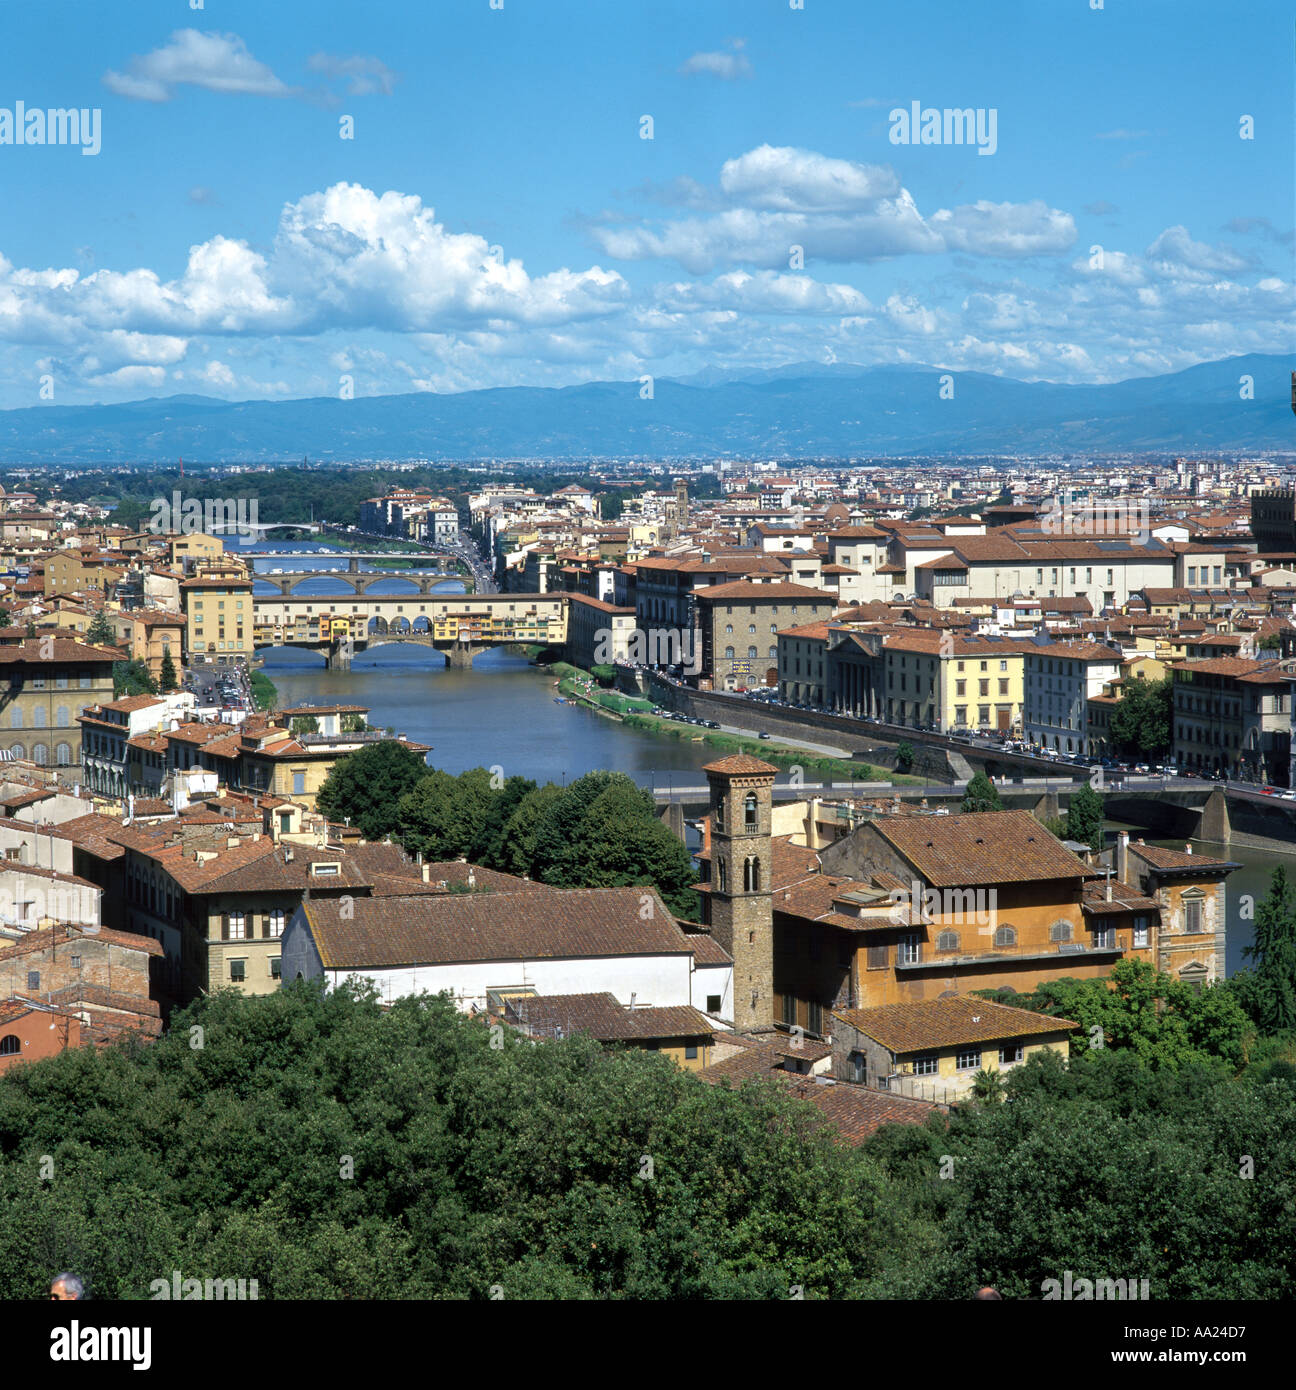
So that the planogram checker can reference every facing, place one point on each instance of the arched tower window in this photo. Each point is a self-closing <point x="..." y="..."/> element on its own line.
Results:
<point x="722" y="876"/>
<point x="749" y="811"/>
<point x="751" y="875"/>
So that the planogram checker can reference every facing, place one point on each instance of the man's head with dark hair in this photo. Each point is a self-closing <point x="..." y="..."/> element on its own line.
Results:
<point x="988" y="1294"/>
<point x="67" y="1287"/>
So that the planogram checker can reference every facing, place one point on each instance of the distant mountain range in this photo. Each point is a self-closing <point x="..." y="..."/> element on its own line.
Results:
<point x="805" y="410"/>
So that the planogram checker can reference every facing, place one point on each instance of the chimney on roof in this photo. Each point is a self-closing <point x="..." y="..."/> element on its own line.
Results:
<point x="1188" y="849"/>
<point x="1122" y="856"/>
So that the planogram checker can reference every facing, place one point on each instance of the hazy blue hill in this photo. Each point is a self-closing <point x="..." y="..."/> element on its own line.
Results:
<point x="806" y="409"/>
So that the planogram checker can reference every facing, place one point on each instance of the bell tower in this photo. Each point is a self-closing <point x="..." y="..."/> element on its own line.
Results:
<point x="742" y="906"/>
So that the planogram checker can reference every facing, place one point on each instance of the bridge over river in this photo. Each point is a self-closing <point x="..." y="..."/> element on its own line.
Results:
<point x="458" y="625"/>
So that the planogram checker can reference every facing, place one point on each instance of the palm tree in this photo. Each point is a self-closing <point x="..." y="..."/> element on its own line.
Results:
<point x="988" y="1085"/>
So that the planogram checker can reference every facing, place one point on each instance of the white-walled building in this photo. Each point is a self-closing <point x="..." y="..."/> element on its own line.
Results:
<point x="1060" y="679"/>
<point x="624" y="941"/>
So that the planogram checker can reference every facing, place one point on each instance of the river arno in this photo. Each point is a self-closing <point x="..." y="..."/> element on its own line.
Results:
<point x="499" y="714"/>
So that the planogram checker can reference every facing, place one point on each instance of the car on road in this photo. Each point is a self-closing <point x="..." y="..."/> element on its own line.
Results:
<point x="764" y="736"/>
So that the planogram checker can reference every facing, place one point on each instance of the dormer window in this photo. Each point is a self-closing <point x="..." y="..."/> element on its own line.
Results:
<point x="330" y="869"/>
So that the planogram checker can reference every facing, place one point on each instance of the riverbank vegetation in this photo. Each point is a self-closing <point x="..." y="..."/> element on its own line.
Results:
<point x="264" y="691"/>
<point x="486" y="1166"/>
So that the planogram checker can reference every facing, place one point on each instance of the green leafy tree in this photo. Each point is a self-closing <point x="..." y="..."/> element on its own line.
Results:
<point x="491" y="841"/>
<point x="439" y="816"/>
<point x="169" y="678"/>
<point x="101" y="632"/>
<point x="1085" y="818"/>
<point x="1163" y="1022"/>
<point x="618" y="844"/>
<point x="305" y="724"/>
<point x="132" y="678"/>
<point x="1141" y="720"/>
<point x="366" y="786"/>
<point x="353" y="724"/>
<point x="905" y="757"/>
<point x="519" y="852"/>
<point x="981" y="795"/>
<point x="6" y="617"/>
<point x="1270" y="992"/>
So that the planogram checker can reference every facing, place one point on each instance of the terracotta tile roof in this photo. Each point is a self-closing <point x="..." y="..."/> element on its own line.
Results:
<point x="605" y="1019"/>
<point x="706" y="949"/>
<point x="818" y="631"/>
<point x="1080" y="651"/>
<point x="761" y="1058"/>
<point x="933" y="1024"/>
<point x="741" y="764"/>
<point x="1175" y="859"/>
<point x="1124" y="898"/>
<point x="1239" y="667"/>
<point x="555" y="924"/>
<point x="64" y="649"/>
<point x="456" y="871"/>
<point x="980" y="847"/>
<point x="852" y="1111"/>
<point x="856" y="1112"/>
<point x="812" y="896"/>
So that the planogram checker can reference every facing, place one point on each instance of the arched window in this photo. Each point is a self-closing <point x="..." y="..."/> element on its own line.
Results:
<point x="751" y="627"/>
<point x="947" y="941"/>
<point x="40" y="754"/>
<point x="38" y="718"/>
<point x="1060" y="931"/>
<point x="61" y="716"/>
<point x="15" y="718"/>
<point x="719" y="814"/>
<point x="751" y="875"/>
<point x="729" y="653"/>
<point x="18" y="750"/>
<point x="728" y="629"/>
<point x="9" y="1045"/>
<point x="63" y="754"/>
<point x="749" y="811"/>
<point x="751" y="653"/>
<point x="1006" y="936"/>
<point x="722" y="877"/>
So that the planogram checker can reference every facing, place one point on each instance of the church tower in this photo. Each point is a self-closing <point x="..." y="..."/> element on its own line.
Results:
<point x="741" y="905"/>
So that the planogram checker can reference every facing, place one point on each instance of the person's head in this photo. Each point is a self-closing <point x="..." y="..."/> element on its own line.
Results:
<point x="67" y="1288"/>
<point x="988" y="1293"/>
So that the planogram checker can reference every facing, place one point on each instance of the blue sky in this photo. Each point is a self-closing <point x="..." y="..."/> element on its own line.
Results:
<point x="497" y="218"/>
